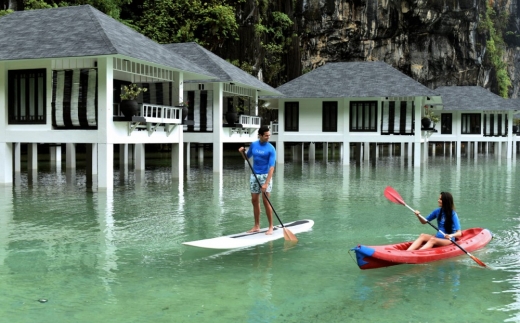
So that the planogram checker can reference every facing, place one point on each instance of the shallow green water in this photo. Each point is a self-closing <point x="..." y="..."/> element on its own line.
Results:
<point x="117" y="256"/>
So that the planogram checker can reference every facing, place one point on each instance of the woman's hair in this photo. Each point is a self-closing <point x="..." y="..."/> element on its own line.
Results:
<point x="262" y="130"/>
<point x="447" y="209"/>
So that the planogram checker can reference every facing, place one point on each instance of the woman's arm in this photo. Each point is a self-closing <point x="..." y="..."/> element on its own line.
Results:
<point x="456" y="234"/>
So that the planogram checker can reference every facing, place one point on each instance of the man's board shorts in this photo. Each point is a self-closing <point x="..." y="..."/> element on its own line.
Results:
<point x="253" y="184"/>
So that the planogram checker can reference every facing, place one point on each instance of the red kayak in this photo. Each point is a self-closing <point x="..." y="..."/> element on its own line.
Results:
<point x="369" y="257"/>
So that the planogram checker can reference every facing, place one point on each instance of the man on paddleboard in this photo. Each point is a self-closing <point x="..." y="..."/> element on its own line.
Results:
<point x="264" y="158"/>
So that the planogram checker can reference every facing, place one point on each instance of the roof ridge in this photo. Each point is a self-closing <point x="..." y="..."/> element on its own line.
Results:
<point x="100" y="29"/>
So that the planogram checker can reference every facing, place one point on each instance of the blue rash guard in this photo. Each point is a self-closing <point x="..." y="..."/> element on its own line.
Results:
<point x="264" y="156"/>
<point x="440" y="222"/>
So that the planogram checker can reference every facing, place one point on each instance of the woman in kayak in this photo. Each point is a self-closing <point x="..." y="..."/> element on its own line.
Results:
<point x="447" y="222"/>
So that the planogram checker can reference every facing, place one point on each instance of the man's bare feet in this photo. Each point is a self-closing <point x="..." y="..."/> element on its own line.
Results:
<point x="270" y="231"/>
<point x="254" y="229"/>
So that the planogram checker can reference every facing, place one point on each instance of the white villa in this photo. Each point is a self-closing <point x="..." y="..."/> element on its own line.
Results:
<point x="362" y="105"/>
<point x="61" y="74"/>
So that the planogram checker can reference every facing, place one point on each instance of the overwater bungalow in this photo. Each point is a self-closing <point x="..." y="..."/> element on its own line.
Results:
<point x="476" y="118"/>
<point x="362" y="106"/>
<point x="61" y="75"/>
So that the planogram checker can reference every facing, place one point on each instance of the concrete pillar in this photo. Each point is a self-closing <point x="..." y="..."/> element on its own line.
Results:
<point x="52" y="154"/>
<point x="458" y="148"/>
<point x="32" y="156"/>
<point x="366" y="151"/>
<point x="17" y="155"/>
<point x="201" y="153"/>
<point x="55" y="155"/>
<point x="6" y="163"/>
<point x="346" y="153"/>
<point x="475" y="149"/>
<point x="416" y="153"/>
<point x="218" y="132"/>
<point x="312" y="151"/>
<point x="94" y="158"/>
<point x="187" y="150"/>
<point x="326" y="151"/>
<point x="280" y="152"/>
<point x="424" y="151"/>
<point x="177" y="158"/>
<point x="70" y="157"/>
<point x="139" y="157"/>
<point x="123" y="156"/>
<point x="105" y="160"/>
<point x="105" y="150"/>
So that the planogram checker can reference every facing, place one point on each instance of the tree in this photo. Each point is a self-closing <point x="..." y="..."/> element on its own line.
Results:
<point x="208" y="23"/>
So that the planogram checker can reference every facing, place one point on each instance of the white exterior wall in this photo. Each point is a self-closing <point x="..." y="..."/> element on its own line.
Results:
<point x="109" y="132"/>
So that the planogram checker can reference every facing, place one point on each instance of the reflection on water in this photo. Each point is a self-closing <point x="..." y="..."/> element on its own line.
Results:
<point x="260" y="284"/>
<point x="117" y="255"/>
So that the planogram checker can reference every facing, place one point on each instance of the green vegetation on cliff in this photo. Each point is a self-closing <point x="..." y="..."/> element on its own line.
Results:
<point x="494" y="26"/>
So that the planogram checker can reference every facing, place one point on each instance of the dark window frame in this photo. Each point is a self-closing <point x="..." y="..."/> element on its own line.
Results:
<point x="21" y="81"/>
<point x="446" y="123"/>
<point x="292" y="117"/>
<point x="329" y="116"/>
<point x="471" y="124"/>
<point x="368" y="112"/>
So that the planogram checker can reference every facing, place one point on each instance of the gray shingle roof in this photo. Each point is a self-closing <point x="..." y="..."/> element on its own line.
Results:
<point x="223" y="70"/>
<point x="474" y="98"/>
<point x="354" y="79"/>
<point x="81" y="31"/>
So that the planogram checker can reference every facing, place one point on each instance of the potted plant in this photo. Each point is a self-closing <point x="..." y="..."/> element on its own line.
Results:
<point x="185" y="109"/>
<point x="434" y="118"/>
<point x="516" y="124"/>
<point x="231" y="114"/>
<point x="129" y="106"/>
<point x="429" y="118"/>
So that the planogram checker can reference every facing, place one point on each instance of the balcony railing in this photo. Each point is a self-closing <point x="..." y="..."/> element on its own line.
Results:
<point x="274" y="128"/>
<point x="155" y="113"/>
<point x="249" y="121"/>
<point x="161" y="114"/>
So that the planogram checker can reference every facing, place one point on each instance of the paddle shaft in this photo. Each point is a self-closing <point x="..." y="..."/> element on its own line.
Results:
<point x="265" y="193"/>
<point x="452" y="241"/>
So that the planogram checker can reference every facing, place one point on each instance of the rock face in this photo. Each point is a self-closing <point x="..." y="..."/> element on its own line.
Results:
<point x="437" y="42"/>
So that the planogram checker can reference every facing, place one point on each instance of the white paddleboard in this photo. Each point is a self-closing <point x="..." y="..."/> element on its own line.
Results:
<point x="244" y="239"/>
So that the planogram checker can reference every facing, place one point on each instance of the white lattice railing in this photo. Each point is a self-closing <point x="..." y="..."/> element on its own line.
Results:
<point x="249" y="121"/>
<point x="161" y="114"/>
<point x="274" y="128"/>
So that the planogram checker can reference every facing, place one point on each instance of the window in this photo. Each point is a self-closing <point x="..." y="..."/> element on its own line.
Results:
<point x="495" y="124"/>
<point x="330" y="117"/>
<point x="363" y="116"/>
<point x="74" y="98"/>
<point x="292" y="114"/>
<point x="470" y="123"/>
<point x="446" y="123"/>
<point x="27" y="96"/>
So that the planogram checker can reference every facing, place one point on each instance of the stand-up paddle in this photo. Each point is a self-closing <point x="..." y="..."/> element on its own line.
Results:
<point x="394" y="197"/>
<point x="287" y="235"/>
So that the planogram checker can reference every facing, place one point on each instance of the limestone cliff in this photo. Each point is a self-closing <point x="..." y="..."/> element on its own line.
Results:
<point x="437" y="42"/>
